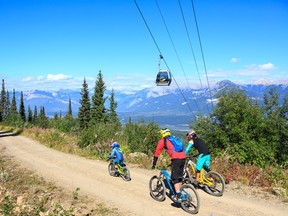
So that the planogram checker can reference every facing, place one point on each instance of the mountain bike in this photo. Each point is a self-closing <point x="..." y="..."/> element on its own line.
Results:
<point x="212" y="182"/>
<point x="118" y="170"/>
<point x="162" y="185"/>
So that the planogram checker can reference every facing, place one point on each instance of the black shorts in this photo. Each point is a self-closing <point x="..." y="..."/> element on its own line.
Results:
<point x="177" y="170"/>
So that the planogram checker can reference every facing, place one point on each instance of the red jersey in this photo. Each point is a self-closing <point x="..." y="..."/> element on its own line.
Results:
<point x="170" y="150"/>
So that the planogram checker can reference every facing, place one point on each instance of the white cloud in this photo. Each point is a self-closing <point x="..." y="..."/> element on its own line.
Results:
<point x="56" y="77"/>
<point x="268" y="66"/>
<point x="234" y="60"/>
<point x="26" y="79"/>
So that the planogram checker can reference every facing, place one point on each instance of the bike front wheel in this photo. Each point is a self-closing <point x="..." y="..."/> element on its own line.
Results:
<point x="215" y="183"/>
<point x="157" y="188"/>
<point x="190" y="199"/>
<point x="111" y="168"/>
<point x="126" y="174"/>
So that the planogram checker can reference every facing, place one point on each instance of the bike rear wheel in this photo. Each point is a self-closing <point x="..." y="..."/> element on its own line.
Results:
<point x="216" y="183"/>
<point x="157" y="188"/>
<point x="126" y="174"/>
<point x="191" y="202"/>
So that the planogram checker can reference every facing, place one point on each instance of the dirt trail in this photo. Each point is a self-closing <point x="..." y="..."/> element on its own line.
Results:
<point x="91" y="176"/>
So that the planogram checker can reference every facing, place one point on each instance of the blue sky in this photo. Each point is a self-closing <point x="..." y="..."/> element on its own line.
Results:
<point x="54" y="44"/>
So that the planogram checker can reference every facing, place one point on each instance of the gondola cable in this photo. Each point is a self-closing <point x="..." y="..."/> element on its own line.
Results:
<point x="203" y="59"/>
<point x="160" y="54"/>
<point x="189" y="39"/>
<point x="175" y="50"/>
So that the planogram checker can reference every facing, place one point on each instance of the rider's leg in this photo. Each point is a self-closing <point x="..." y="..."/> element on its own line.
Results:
<point x="177" y="170"/>
<point x="116" y="161"/>
<point x="197" y="175"/>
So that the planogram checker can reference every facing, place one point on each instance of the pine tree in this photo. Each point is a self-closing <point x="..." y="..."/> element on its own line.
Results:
<point x="22" y="108"/>
<point x="8" y="105"/>
<point x="12" y="115"/>
<point x="30" y="115"/>
<point x="112" y="114"/>
<point x="3" y="103"/>
<point x="69" y="107"/>
<point x="43" y="120"/>
<point x="84" y="109"/>
<point x="13" y="103"/>
<point x="35" y="115"/>
<point x="98" y="110"/>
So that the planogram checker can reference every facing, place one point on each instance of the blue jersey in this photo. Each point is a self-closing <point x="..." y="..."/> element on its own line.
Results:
<point x="117" y="154"/>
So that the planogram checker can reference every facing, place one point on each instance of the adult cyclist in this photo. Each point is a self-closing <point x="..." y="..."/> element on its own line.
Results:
<point x="177" y="160"/>
<point x="203" y="160"/>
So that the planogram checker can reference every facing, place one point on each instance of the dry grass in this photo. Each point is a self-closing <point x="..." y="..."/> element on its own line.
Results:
<point x="22" y="192"/>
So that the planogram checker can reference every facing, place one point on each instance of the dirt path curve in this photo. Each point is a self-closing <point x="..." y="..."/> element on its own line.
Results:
<point x="91" y="176"/>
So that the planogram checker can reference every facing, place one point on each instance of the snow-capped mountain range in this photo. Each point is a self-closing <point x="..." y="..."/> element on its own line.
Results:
<point x="170" y="107"/>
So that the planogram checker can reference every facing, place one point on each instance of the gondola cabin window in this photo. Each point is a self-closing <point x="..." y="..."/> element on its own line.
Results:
<point x="163" y="78"/>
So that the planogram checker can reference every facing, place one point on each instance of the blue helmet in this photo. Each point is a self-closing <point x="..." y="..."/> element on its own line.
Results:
<point x="115" y="144"/>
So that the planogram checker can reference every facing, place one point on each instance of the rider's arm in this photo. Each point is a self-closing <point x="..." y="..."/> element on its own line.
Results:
<point x="158" y="151"/>
<point x="112" y="154"/>
<point x="189" y="146"/>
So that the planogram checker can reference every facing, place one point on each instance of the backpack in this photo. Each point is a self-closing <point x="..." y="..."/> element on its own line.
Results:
<point x="177" y="143"/>
<point x="119" y="154"/>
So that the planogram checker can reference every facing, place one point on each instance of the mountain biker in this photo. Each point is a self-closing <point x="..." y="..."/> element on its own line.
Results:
<point x="117" y="154"/>
<point x="177" y="160"/>
<point x="203" y="160"/>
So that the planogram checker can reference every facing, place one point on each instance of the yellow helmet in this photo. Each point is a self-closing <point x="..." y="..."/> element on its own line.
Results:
<point x="165" y="132"/>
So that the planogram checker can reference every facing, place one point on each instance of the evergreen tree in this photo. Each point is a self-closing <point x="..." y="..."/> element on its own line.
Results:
<point x="84" y="109"/>
<point x="13" y="103"/>
<point x="8" y="105"/>
<point x="3" y="103"/>
<point x="35" y="115"/>
<point x="22" y="108"/>
<point x="112" y="114"/>
<point x="42" y="119"/>
<point x="13" y="117"/>
<point x="98" y="110"/>
<point x="56" y="117"/>
<point x="30" y="115"/>
<point x="69" y="107"/>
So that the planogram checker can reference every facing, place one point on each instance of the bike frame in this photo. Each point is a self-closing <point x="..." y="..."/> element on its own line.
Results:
<point x="202" y="178"/>
<point x="164" y="174"/>
<point x="119" y="168"/>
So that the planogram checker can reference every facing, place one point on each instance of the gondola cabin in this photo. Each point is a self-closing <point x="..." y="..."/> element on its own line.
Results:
<point x="163" y="78"/>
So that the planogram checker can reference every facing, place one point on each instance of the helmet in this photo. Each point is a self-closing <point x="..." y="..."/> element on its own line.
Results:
<point x="191" y="135"/>
<point x="165" y="132"/>
<point x="115" y="144"/>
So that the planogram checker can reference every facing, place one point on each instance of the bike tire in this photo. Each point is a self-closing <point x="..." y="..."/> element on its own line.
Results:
<point x="218" y="187"/>
<point x="157" y="188"/>
<point x="191" y="204"/>
<point x="126" y="174"/>
<point x="111" y="168"/>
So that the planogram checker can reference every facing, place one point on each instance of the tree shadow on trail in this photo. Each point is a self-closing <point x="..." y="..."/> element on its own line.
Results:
<point x="9" y="133"/>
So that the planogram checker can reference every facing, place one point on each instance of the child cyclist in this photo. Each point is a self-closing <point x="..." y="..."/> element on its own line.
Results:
<point x="117" y="154"/>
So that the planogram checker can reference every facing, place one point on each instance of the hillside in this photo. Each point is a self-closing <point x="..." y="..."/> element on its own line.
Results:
<point x="168" y="106"/>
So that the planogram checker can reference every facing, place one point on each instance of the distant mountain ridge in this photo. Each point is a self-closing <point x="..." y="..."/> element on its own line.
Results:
<point x="170" y="107"/>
